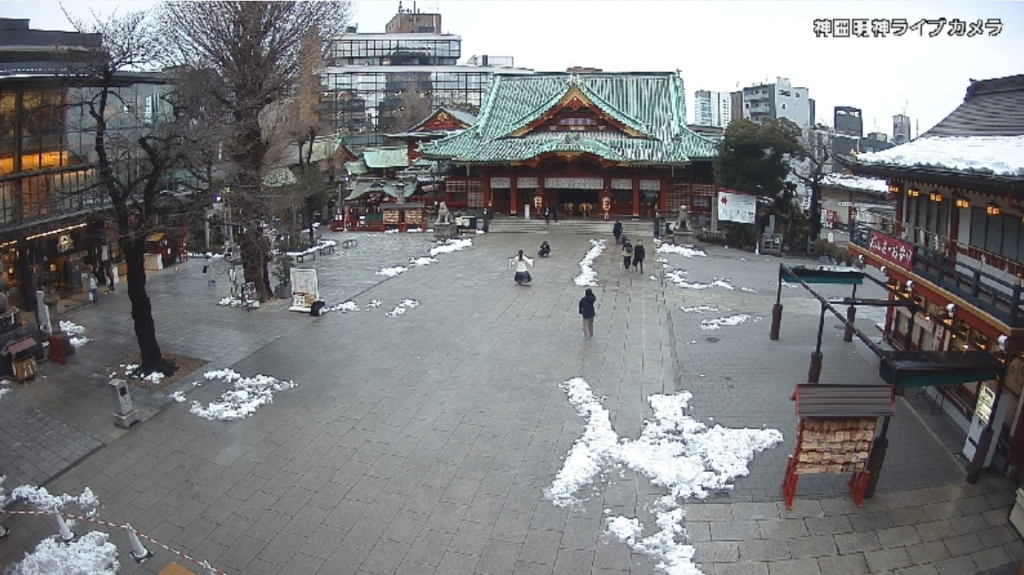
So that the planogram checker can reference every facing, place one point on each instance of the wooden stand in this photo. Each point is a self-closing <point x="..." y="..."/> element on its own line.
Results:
<point x="25" y="369"/>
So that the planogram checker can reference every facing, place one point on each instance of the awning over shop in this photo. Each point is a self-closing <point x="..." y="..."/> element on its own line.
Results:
<point x="156" y="237"/>
<point x="930" y="368"/>
<point x="824" y="275"/>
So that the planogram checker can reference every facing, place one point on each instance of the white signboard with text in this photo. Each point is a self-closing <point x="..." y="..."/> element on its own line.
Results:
<point x="736" y="207"/>
<point x="305" y="289"/>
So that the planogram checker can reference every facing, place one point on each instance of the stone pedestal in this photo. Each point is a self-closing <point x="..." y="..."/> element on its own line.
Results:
<point x="445" y="231"/>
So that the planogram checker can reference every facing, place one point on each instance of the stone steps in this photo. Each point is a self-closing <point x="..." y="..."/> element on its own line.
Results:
<point x="640" y="228"/>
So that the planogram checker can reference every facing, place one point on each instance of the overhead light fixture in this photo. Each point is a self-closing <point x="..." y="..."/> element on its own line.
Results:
<point x="993" y="209"/>
<point x="894" y="188"/>
<point x="963" y="202"/>
<point x="913" y="192"/>
<point x="935" y="197"/>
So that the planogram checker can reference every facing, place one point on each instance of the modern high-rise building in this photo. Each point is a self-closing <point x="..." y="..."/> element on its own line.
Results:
<point x="778" y="100"/>
<point x="849" y="121"/>
<point x="712" y="108"/>
<point x="736" y="103"/>
<point x="900" y="129"/>
<point x="383" y="83"/>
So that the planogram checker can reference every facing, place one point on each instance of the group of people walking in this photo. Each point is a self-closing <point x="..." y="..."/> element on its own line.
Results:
<point x="631" y="255"/>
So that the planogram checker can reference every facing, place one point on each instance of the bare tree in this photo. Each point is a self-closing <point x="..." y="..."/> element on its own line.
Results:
<point x="133" y="153"/>
<point x="256" y="48"/>
<point x="811" y="166"/>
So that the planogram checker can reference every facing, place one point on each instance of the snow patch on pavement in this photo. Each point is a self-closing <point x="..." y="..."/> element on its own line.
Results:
<point x="246" y="396"/>
<point x="587" y="276"/>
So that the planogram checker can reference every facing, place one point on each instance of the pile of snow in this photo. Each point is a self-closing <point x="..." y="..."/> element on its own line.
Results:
<point x="450" y="245"/>
<point x="674" y="450"/>
<point x="480" y="232"/>
<point x="235" y="302"/>
<point x="374" y="303"/>
<point x="312" y="250"/>
<point x="392" y="272"/>
<point x="342" y="307"/>
<point x="748" y="290"/>
<point x="587" y="276"/>
<point x="248" y="395"/>
<point x="677" y="278"/>
<point x="423" y="261"/>
<point x="391" y="231"/>
<point x="75" y="332"/>
<point x="685" y="251"/>
<point x="155" y="378"/>
<point x="737" y="319"/>
<point x="661" y="261"/>
<point x="42" y="500"/>
<point x="699" y="309"/>
<point x="91" y="553"/>
<point x="178" y="396"/>
<point x="999" y="155"/>
<point x="402" y="307"/>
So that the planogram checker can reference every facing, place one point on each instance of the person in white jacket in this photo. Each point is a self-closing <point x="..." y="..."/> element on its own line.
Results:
<point x="521" y="263"/>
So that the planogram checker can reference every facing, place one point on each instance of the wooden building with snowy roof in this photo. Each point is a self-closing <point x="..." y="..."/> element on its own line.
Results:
<point x="615" y="142"/>
<point x="957" y="246"/>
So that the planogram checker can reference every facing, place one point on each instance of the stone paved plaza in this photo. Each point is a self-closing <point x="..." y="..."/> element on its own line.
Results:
<point x="422" y="443"/>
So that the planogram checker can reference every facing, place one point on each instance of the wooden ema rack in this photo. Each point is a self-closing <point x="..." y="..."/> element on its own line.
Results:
<point x="835" y="434"/>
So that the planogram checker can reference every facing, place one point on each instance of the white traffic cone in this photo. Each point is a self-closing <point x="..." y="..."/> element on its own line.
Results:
<point x="138" y="552"/>
<point x="65" y="533"/>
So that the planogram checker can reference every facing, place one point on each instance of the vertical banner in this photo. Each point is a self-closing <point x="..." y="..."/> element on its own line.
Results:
<point x="305" y="289"/>
<point x="736" y="207"/>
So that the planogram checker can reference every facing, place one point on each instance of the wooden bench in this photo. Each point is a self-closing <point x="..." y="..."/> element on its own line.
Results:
<point x="328" y="249"/>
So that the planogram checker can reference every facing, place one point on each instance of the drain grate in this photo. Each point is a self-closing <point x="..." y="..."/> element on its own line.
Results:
<point x="711" y="339"/>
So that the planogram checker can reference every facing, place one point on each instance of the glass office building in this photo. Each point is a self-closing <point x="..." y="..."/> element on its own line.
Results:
<point x="383" y="83"/>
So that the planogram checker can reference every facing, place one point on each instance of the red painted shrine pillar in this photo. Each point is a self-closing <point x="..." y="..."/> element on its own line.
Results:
<point x="663" y="196"/>
<point x="636" y="197"/>
<point x="487" y="188"/>
<point x="513" y="195"/>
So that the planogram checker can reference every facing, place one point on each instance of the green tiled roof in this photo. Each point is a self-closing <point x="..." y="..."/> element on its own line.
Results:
<point x="651" y="104"/>
<point x="386" y="157"/>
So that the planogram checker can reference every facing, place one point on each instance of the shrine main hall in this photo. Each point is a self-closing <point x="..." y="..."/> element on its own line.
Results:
<point x="581" y="143"/>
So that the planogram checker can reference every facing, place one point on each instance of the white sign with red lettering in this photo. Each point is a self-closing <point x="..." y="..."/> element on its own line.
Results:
<point x="736" y="207"/>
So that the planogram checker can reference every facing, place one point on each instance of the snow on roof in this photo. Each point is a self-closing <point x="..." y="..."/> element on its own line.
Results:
<point x="997" y="155"/>
<point x="855" y="182"/>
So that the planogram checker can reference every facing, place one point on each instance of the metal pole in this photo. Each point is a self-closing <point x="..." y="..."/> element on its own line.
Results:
<point x="777" y="310"/>
<point x="814" y="372"/>
<point x="876" y="458"/>
<point x="851" y="316"/>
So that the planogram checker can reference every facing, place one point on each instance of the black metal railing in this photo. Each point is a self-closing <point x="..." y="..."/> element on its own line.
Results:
<point x="942" y="267"/>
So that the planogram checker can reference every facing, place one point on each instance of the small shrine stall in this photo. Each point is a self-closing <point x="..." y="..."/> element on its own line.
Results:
<point x="835" y="433"/>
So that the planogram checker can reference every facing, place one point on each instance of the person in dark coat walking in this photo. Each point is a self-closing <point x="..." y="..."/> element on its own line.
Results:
<point x="638" y="255"/>
<point x="617" y="231"/>
<point x="547" y="215"/>
<point x="588" y="313"/>
<point x="627" y="253"/>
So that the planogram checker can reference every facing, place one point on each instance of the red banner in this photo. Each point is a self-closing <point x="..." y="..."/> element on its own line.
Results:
<point x="892" y="250"/>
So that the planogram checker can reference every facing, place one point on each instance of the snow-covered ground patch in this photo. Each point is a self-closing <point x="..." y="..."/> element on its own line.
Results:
<point x="178" y="396"/>
<point x="374" y="303"/>
<point x="424" y="261"/>
<point x="587" y="275"/>
<point x="681" y="250"/>
<point x="235" y="302"/>
<point x="246" y="396"/>
<point x="71" y="328"/>
<point x="450" y="246"/>
<point x="402" y="307"/>
<point x="89" y="554"/>
<point x="391" y="272"/>
<point x="737" y="319"/>
<point x="699" y="309"/>
<point x="677" y="278"/>
<point x="748" y="290"/>
<point x="674" y="450"/>
<point x="342" y="307"/>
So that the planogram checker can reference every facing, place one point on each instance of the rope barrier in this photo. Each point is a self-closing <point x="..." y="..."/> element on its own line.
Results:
<point x="127" y="527"/>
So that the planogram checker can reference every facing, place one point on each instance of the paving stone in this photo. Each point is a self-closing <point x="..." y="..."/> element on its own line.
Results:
<point x="812" y="546"/>
<point x="716" y="552"/>
<point x="930" y="552"/>
<point x="782" y="528"/>
<point x="898" y="537"/>
<point x="764" y="550"/>
<point x="991" y="558"/>
<point x="754" y="511"/>
<point x="794" y="567"/>
<point x="741" y="569"/>
<point x="857" y="542"/>
<point x="956" y="566"/>
<point x="917" y="570"/>
<point x="734" y="530"/>
<point x="843" y="565"/>
<point x="709" y="512"/>
<point x="828" y="525"/>
<point x="887" y="559"/>
<point x="870" y="520"/>
<point x="935" y="530"/>
<point x="963" y="544"/>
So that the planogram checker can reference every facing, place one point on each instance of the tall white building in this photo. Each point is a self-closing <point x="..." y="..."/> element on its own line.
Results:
<point x="900" y="129"/>
<point x="778" y="100"/>
<point x="712" y="108"/>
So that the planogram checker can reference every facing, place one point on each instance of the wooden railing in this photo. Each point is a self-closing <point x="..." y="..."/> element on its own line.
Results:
<point x="943" y="262"/>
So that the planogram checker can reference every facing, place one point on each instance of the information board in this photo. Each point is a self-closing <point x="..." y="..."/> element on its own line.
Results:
<point x="305" y="289"/>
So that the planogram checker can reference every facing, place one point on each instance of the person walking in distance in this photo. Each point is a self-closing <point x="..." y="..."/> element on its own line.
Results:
<point x="587" y="311"/>
<point x="627" y="253"/>
<point x="638" y="256"/>
<point x="617" y="231"/>
<point x="94" y="292"/>
<point x="547" y="215"/>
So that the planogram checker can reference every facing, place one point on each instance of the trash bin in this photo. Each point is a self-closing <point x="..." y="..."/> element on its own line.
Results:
<point x="317" y="308"/>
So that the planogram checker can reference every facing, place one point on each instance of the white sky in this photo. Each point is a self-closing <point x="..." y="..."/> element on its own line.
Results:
<point x="717" y="45"/>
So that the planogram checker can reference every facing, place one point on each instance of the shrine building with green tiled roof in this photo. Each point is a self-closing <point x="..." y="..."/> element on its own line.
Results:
<point x="604" y="140"/>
